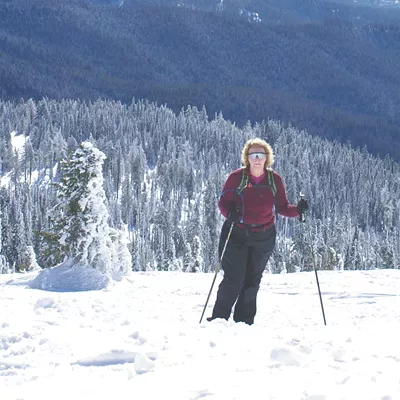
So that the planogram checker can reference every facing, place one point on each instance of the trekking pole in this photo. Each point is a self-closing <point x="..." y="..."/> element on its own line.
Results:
<point x="303" y="219"/>
<point x="216" y="271"/>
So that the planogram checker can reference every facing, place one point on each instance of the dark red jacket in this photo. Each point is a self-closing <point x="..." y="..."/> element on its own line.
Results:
<point x="255" y="204"/>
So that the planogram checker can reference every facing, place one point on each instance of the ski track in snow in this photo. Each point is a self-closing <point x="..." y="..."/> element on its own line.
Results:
<point x="141" y="338"/>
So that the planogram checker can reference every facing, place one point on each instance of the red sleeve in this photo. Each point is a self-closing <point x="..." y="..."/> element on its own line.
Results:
<point x="282" y="203"/>
<point x="228" y="192"/>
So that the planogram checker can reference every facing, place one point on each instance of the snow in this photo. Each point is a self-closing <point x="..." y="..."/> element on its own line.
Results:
<point x="72" y="334"/>
<point x="18" y="146"/>
<point x="18" y="143"/>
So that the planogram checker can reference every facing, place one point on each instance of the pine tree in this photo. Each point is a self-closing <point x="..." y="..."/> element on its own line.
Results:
<point x="28" y="260"/>
<point x="6" y="232"/>
<point x="121" y="257"/>
<point x="134" y="248"/>
<point x="188" y="261"/>
<point x="19" y="238"/>
<point x="171" y="262"/>
<point x="83" y="230"/>
<point x="3" y="261"/>
<point x="198" y="262"/>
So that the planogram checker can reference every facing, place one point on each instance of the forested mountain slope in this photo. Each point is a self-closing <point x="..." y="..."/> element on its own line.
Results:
<point x="337" y="78"/>
<point x="163" y="176"/>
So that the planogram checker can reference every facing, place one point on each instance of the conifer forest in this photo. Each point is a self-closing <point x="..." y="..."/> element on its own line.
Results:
<point x="163" y="174"/>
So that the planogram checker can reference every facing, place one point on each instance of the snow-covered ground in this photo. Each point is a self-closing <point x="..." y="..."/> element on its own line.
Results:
<point x="140" y="338"/>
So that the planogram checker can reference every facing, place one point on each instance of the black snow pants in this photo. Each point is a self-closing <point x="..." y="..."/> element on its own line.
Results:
<point x="246" y="256"/>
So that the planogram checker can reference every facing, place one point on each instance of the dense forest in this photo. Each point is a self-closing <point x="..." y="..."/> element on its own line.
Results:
<point x="334" y="74"/>
<point x="163" y="175"/>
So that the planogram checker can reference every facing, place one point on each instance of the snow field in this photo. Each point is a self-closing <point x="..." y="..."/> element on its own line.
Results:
<point x="141" y="338"/>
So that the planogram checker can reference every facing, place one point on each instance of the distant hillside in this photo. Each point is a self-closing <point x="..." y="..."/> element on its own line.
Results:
<point x="338" y="79"/>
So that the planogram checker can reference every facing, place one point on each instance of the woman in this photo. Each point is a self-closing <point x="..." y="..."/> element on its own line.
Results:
<point x="247" y="201"/>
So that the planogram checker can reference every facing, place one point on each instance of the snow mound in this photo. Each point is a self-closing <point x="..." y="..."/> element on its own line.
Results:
<point x="285" y="356"/>
<point x="45" y="302"/>
<point x="114" y="357"/>
<point x="143" y="363"/>
<point x="65" y="278"/>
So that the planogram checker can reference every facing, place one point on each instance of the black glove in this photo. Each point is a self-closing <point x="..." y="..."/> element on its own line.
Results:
<point x="233" y="214"/>
<point x="302" y="206"/>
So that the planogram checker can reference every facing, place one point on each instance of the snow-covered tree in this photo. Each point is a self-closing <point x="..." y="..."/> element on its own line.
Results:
<point x="84" y="231"/>
<point x="121" y="257"/>
<point x="18" y="236"/>
<point x="3" y="261"/>
<point x="3" y="264"/>
<point x="171" y="263"/>
<point x="28" y="260"/>
<point x="188" y="258"/>
<point x="196" y="254"/>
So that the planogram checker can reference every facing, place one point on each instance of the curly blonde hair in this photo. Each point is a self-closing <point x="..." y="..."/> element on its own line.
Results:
<point x="259" y="143"/>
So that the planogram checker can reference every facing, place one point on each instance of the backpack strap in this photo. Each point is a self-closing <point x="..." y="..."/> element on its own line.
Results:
<point x="245" y="180"/>
<point x="271" y="181"/>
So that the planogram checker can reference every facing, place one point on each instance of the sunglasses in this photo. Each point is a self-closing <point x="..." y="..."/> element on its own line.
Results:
<point x="261" y="156"/>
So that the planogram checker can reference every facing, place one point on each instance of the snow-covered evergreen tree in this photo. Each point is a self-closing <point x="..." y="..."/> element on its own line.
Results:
<point x="171" y="263"/>
<point x="3" y="261"/>
<point x="84" y="230"/>
<point x="121" y="257"/>
<point x="28" y="260"/>
<point x="198" y="262"/>
<point x="188" y="259"/>
<point x="19" y="236"/>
